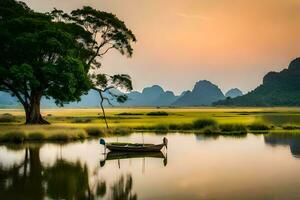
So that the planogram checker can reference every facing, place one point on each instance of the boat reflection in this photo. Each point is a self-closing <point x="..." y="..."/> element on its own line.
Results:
<point x="293" y="141"/>
<point x="129" y="155"/>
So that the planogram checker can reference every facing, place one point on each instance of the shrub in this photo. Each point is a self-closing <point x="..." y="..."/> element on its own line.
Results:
<point x="13" y="136"/>
<point x="36" y="136"/>
<point x="290" y="127"/>
<point x="6" y="117"/>
<point x="161" y="127"/>
<point x="233" y="128"/>
<point x="202" y="123"/>
<point x="258" y="127"/>
<point x="120" y="131"/>
<point x="127" y="113"/>
<point x="60" y="136"/>
<point x="158" y="113"/>
<point x="94" y="131"/>
<point x="211" y="130"/>
<point x="174" y="127"/>
<point x="82" y="120"/>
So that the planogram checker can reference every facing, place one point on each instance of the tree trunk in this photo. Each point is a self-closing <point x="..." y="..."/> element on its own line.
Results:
<point x="33" y="111"/>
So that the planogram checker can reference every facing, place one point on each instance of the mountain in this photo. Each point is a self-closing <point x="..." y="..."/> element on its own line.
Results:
<point x="204" y="93"/>
<point x="6" y="100"/>
<point x="166" y="99"/>
<point x="151" y="96"/>
<point x="235" y="92"/>
<point x="278" y="89"/>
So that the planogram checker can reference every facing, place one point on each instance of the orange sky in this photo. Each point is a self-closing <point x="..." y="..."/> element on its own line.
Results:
<point x="232" y="43"/>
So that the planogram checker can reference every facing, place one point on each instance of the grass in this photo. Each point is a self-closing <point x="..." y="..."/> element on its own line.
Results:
<point x="71" y="124"/>
<point x="233" y="129"/>
<point x="158" y="113"/>
<point x="259" y="127"/>
<point x="7" y="117"/>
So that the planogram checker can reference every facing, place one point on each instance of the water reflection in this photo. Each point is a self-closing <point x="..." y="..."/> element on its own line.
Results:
<point x="31" y="179"/>
<point x="292" y="141"/>
<point x="129" y="155"/>
<point x="215" y="168"/>
<point x="122" y="189"/>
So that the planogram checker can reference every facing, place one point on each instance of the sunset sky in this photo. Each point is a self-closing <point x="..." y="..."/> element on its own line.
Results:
<point x="232" y="43"/>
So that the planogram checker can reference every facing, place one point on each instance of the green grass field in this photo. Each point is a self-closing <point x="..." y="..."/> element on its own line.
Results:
<point x="67" y="120"/>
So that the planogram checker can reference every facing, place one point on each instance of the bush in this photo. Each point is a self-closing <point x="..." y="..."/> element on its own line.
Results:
<point x="94" y="131"/>
<point x="158" y="113"/>
<point x="291" y="127"/>
<point x="127" y="113"/>
<point x="233" y="128"/>
<point x="82" y="120"/>
<point x="6" y="117"/>
<point x="161" y="127"/>
<point x="120" y="131"/>
<point x="211" y="130"/>
<point x="258" y="127"/>
<point x="36" y="136"/>
<point x="65" y="135"/>
<point x="13" y="136"/>
<point x="202" y="123"/>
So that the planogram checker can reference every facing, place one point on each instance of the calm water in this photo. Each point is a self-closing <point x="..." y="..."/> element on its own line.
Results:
<point x="193" y="167"/>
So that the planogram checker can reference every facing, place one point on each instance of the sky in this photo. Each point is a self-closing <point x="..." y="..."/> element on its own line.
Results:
<point x="232" y="43"/>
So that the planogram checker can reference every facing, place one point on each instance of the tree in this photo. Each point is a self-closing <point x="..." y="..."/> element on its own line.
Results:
<point x="109" y="33"/>
<point x="56" y="55"/>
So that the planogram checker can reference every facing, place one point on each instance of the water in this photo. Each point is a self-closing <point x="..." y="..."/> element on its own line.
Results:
<point x="193" y="167"/>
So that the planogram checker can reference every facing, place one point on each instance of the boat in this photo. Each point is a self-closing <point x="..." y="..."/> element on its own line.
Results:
<point x="118" y="155"/>
<point x="134" y="147"/>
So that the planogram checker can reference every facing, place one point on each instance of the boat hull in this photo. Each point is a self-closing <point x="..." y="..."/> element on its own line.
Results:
<point x="151" y="148"/>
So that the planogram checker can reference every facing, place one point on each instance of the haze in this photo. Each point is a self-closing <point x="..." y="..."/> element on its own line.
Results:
<point x="229" y="42"/>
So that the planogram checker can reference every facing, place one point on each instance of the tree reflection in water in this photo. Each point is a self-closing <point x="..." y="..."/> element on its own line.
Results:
<point x="291" y="140"/>
<point x="30" y="180"/>
<point x="121" y="190"/>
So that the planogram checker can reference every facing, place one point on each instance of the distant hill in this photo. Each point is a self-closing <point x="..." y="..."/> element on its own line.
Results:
<point x="278" y="89"/>
<point x="204" y="93"/>
<point x="6" y="100"/>
<point x="151" y="96"/>
<point x="235" y="92"/>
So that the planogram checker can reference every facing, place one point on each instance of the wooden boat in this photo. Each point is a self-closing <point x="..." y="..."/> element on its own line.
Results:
<point x="130" y="147"/>
<point x="119" y="155"/>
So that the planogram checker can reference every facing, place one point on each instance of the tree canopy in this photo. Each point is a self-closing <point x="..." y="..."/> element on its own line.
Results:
<point x="58" y="55"/>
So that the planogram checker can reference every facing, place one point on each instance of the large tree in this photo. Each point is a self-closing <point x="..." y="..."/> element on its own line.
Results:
<point x="57" y="55"/>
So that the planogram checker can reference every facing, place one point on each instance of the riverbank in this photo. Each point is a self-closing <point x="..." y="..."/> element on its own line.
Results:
<point x="79" y="124"/>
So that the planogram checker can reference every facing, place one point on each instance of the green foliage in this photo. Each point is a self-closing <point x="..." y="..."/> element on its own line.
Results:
<point x="36" y="136"/>
<point x="13" y="136"/>
<point x="233" y="128"/>
<point x="158" y="113"/>
<point x="128" y="113"/>
<point x="258" y="127"/>
<point x="54" y="55"/>
<point x="94" y="131"/>
<point x="82" y="120"/>
<point x="291" y="127"/>
<point x="6" y="117"/>
<point x="202" y="123"/>
<point x="120" y="131"/>
<point x="161" y="127"/>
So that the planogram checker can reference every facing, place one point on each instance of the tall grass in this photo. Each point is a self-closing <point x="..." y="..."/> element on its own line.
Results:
<point x="7" y="117"/>
<point x="233" y="128"/>
<point x="259" y="127"/>
<point x="202" y="123"/>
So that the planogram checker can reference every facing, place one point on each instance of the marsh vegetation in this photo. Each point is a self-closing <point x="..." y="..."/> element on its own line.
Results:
<point x="76" y="124"/>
